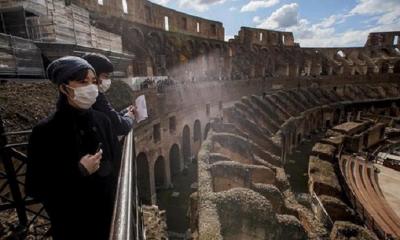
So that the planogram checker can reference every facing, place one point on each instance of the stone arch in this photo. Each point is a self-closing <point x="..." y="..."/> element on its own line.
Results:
<point x="240" y="50"/>
<point x="156" y="46"/>
<point x="325" y="69"/>
<point x="137" y="33"/>
<point x="190" y="44"/>
<point x="385" y="67"/>
<point x="143" y="176"/>
<point x="225" y="48"/>
<point x="269" y="69"/>
<point x="133" y="41"/>
<point x="160" y="176"/>
<point x="204" y="48"/>
<point x="281" y="68"/>
<point x="264" y="50"/>
<point x="155" y="41"/>
<point x="174" y="160"/>
<point x="188" y="49"/>
<point x="255" y="48"/>
<point x="211" y="47"/>
<point x="206" y="130"/>
<point x="396" y="68"/>
<point x="386" y="51"/>
<point x="315" y="121"/>
<point x="299" y="138"/>
<point x="336" y="116"/>
<point x="373" y="53"/>
<point x="197" y="131"/>
<point x="186" y="144"/>
<point x="307" y="126"/>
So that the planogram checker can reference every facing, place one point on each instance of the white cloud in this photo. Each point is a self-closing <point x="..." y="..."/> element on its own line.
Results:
<point x="323" y="33"/>
<point x="332" y="20"/>
<point x="227" y="37"/>
<point x="285" y="16"/>
<point x="232" y="9"/>
<point x="387" y="11"/>
<point x="319" y="35"/>
<point x="374" y="6"/>
<point x="253" y="5"/>
<point x="383" y="16"/>
<point x="199" y="5"/>
<point x="257" y="19"/>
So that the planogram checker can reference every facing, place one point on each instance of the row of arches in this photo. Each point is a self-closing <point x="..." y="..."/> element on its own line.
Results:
<point x="164" y="170"/>
<point x="160" y="172"/>
<point x="181" y="58"/>
<point x="185" y="58"/>
<point x="295" y="62"/>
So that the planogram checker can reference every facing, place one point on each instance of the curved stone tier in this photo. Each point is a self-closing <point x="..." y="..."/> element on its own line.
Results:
<point x="366" y="196"/>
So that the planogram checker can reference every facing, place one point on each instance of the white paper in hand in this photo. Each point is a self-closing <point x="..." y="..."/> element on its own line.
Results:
<point x="141" y="108"/>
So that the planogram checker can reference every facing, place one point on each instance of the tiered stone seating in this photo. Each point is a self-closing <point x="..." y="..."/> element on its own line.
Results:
<point x="367" y="196"/>
<point x="241" y="159"/>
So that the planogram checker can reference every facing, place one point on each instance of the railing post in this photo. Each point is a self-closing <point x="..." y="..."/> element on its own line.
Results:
<point x="13" y="183"/>
<point x="6" y="158"/>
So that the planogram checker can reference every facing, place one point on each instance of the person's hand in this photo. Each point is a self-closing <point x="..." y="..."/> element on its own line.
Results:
<point x="131" y="112"/>
<point x="92" y="162"/>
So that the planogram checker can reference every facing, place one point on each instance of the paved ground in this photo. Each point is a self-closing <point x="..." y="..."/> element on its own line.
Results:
<point x="389" y="181"/>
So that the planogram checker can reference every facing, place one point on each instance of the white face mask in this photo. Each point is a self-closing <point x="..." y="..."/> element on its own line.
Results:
<point x="105" y="85"/>
<point x="85" y="96"/>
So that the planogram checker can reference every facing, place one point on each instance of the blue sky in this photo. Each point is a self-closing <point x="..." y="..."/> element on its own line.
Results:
<point x="315" y="23"/>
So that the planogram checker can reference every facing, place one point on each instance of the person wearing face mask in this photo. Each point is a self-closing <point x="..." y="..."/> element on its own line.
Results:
<point x="122" y="122"/>
<point x="72" y="159"/>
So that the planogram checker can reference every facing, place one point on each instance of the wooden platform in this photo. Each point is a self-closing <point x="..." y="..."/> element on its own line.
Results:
<point x="19" y="57"/>
<point x="367" y="197"/>
<point x="389" y="182"/>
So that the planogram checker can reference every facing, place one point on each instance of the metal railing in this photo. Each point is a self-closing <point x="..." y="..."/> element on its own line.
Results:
<point x="12" y="174"/>
<point x="127" y="222"/>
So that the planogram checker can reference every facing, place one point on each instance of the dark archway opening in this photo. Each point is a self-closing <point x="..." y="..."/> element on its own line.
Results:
<point x="176" y="200"/>
<point x="337" y="116"/>
<point x="159" y="173"/>
<point x="206" y="130"/>
<point x="385" y="68"/>
<point x="174" y="161"/>
<point x="197" y="131"/>
<point x="143" y="177"/>
<point x="396" y="68"/>
<point x="186" y="149"/>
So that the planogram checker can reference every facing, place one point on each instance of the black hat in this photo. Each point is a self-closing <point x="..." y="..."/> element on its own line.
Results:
<point x="64" y="69"/>
<point x="99" y="62"/>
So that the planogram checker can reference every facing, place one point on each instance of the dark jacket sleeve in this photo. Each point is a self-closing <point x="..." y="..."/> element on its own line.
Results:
<point x="47" y="170"/>
<point x="112" y="149"/>
<point x="120" y="124"/>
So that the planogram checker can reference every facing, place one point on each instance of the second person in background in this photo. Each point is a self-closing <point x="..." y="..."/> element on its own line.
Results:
<point x="122" y="122"/>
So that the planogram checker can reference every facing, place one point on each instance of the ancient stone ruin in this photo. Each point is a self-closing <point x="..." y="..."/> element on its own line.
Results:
<point x="251" y="138"/>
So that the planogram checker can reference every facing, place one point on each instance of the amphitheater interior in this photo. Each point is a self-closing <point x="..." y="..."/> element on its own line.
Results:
<point x="250" y="138"/>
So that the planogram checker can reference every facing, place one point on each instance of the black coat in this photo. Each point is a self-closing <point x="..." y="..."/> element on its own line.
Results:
<point x="80" y="207"/>
<point x="121" y="124"/>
